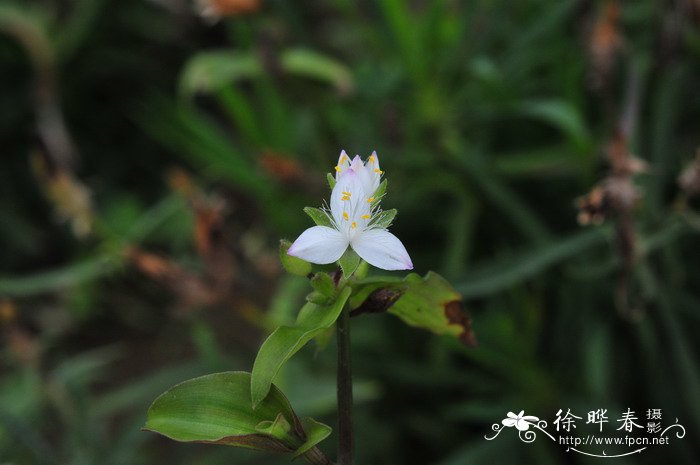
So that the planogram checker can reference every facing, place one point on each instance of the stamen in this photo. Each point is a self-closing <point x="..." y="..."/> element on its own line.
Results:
<point x="371" y="158"/>
<point x="377" y="170"/>
<point x="343" y="158"/>
<point x="365" y="217"/>
<point x="345" y="197"/>
<point x="337" y="168"/>
<point x="347" y="194"/>
<point x="370" y="200"/>
<point x="353" y="225"/>
<point x="345" y="215"/>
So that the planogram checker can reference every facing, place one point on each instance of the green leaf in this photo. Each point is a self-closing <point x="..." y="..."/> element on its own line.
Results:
<point x="216" y="409"/>
<point x="331" y="180"/>
<point x="293" y="265"/>
<point x="349" y="262"/>
<point x="315" y="433"/>
<point x="285" y="341"/>
<point x="323" y="283"/>
<point x="280" y="428"/>
<point x="319" y="217"/>
<point x="385" y="218"/>
<point x="430" y="303"/>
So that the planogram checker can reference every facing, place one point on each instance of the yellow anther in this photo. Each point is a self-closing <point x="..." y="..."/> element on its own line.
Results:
<point x="365" y="217"/>
<point x="346" y="194"/>
<point x="343" y="158"/>
<point x="354" y="225"/>
<point x="345" y="215"/>
<point x="377" y="170"/>
<point x="337" y="168"/>
<point x="370" y="200"/>
<point x="345" y="197"/>
<point x="371" y="158"/>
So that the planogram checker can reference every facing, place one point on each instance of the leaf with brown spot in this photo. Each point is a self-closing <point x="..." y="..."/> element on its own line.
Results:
<point x="430" y="303"/>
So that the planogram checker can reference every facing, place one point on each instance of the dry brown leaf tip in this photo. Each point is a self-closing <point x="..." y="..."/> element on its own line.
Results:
<point x="214" y="10"/>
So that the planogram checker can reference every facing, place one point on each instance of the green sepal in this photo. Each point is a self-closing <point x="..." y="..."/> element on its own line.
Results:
<point x="318" y="216"/>
<point x="349" y="262"/>
<point x="379" y="193"/>
<point x="331" y="180"/>
<point x="384" y="219"/>
<point x="293" y="265"/>
<point x="362" y="270"/>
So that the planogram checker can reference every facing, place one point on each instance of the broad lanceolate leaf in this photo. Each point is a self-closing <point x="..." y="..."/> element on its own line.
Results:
<point x="430" y="303"/>
<point x="293" y="265"/>
<point x="285" y="341"/>
<point x="216" y="409"/>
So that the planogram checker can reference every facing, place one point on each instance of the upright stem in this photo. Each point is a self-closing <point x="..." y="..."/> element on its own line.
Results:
<point x="315" y="457"/>
<point x="346" y="441"/>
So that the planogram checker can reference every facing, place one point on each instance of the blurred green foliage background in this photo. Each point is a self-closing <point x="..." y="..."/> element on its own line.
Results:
<point x="154" y="152"/>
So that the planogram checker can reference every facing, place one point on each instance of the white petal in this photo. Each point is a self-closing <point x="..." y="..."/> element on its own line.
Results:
<point x="367" y="178"/>
<point x="349" y="182"/>
<point x="380" y="248"/>
<point x="320" y="245"/>
<point x="374" y="174"/>
<point x="509" y="422"/>
<point x="356" y="163"/>
<point x="343" y="164"/>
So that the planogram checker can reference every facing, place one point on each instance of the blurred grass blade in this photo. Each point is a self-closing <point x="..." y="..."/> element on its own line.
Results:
<point x="58" y="279"/>
<point x="496" y="277"/>
<point x="210" y="71"/>
<point x="562" y="115"/>
<point x="207" y="72"/>
<point x="310" y="64"/>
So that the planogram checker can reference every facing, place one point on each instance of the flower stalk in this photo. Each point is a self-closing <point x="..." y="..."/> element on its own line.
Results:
<point x="315" y="457"/>
<point x="346" y="439"/>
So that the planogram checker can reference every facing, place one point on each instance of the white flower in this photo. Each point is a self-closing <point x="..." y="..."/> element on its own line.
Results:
<point x="353" y="211"/>
<point x="522" y="423"/>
